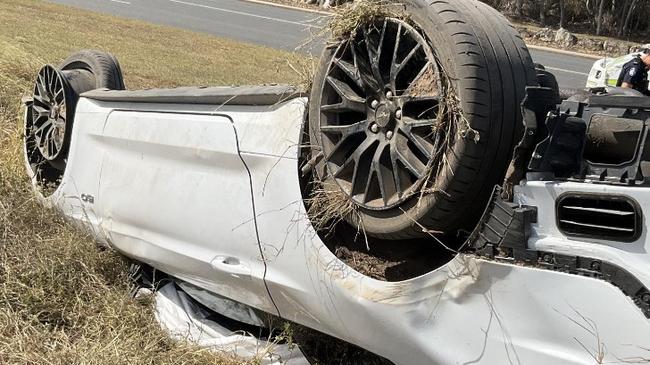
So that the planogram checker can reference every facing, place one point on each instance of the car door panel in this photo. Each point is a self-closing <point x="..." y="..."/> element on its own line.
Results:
<point x="174" y="192"/>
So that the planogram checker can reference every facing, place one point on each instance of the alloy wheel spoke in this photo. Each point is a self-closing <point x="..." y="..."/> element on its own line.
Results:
<point x="397" y="67"/>
<point x="355" y="159"/>
<point x="373" y="55"/>
<point x="433" y="100"/>
<point x="380" y="48"/>
<point x="350" y="70"/>
<point x="350" y="100"/>
<point x="39" y="111"/>
<point x="418" y="77"/>
<point x="395" y="165"/>
<point x="58" y="97"/>
<point x="363" y="168"/>
<point x="410" y="123"/>
<point x="344" y="130"/>
<point x="39" y="130"/>
<point x="398" y="39"/>
<point x="40" y="100"/>
<point x="377" y="173"/>
<point x="40" y="86"/>
<point x="412" y="163"/>
<point x="424" y="146"/>
<point x="370" y="84"/>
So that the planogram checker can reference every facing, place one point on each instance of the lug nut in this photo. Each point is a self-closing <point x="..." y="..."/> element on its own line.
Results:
<point x="389" y="94"/>
<point x="374" y="104"/>
<point x="398" y="113"/>
<point x="389" y="134"/>
<point x="374" y="128"/>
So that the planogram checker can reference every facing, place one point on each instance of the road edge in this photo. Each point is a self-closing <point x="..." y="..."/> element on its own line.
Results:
<point x="556" y="50"/>
<point x="287" y="6"/>
<point x="326" y="12"/>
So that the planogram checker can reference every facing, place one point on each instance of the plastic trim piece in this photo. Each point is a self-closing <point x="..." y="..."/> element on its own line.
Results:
<point x="235" y="95"/>
<point x="502" y="235"/>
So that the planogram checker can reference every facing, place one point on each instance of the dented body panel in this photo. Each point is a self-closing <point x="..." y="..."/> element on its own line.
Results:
<point x="211" y="194"/>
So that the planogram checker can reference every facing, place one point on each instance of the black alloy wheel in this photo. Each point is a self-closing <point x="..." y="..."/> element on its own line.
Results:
<point x="379" y="110"/>
<point x="50" y="119"/>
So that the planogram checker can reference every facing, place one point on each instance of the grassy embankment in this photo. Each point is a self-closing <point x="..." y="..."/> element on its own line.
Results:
<point x="62" y="301"/>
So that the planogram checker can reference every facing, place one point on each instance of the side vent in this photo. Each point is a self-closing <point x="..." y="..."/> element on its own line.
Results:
<point x="606" y="217"/>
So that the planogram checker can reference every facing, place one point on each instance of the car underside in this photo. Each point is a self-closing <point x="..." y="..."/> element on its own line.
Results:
<point x="512" y="219"/>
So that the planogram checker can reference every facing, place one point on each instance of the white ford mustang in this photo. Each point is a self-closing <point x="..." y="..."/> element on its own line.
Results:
<point x="413" y="122"/>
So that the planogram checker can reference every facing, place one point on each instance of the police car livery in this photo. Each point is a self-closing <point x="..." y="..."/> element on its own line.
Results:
<point x="607" y="71"/>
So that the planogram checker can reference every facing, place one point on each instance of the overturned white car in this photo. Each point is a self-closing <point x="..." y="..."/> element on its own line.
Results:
<point x="511" y="225"/>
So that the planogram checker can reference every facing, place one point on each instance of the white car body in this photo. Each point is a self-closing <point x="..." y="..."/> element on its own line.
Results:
<point x="605" y="72"/>
<point x="210" y="194"/>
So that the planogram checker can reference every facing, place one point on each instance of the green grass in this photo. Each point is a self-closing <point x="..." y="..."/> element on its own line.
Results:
<point x="63" y="301"/>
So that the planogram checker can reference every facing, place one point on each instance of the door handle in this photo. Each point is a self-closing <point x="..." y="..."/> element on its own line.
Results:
<point x="232" y="266"/>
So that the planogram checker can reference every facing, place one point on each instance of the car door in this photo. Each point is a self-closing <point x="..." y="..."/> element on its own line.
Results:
<point x="175" y="193"/>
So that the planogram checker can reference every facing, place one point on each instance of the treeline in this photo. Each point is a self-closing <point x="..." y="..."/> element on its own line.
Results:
<point x="601" y="17"/>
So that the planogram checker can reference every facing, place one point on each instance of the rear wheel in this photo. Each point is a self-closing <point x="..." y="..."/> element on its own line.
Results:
<point x="50" y="117"/>
<point x="397" y="108"/>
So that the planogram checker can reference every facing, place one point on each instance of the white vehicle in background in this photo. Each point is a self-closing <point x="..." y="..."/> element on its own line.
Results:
<point x="605" y="72"/>
<point x="514" y="224"/>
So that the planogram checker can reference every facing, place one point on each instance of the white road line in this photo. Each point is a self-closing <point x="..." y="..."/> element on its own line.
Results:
<point x="567" y="71"/>
<point x="243" y="13"/>
<point x="121" y="2"/>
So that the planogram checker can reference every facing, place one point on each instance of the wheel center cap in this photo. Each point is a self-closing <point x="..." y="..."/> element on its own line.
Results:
<point x="383" y="115"/>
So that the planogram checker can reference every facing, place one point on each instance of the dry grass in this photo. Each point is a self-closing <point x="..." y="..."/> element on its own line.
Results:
<point x="351" y="16"/>
<point x="305" y="68"/>
<point x="62" y="301"/>
<point x="328" y="206"/>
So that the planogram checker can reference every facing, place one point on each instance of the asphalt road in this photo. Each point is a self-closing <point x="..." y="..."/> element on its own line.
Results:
<point x="282" y="28"/>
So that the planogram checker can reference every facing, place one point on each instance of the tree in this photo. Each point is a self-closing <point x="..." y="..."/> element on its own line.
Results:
<point x="627" y="13"/>
<point x="519" y="8"/>
<point x="599" y="18"/>
<point x="543" y="11"/>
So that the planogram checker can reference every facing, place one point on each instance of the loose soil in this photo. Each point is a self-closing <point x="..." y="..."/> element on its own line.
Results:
<point x="388" y="260"/>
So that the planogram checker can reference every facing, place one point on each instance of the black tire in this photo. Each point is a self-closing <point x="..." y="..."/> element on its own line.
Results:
<point x="88" y="70"/>
<point x="547" y="79"/>
<point x="489" y="67"/>
<point x="104" y="68"/>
